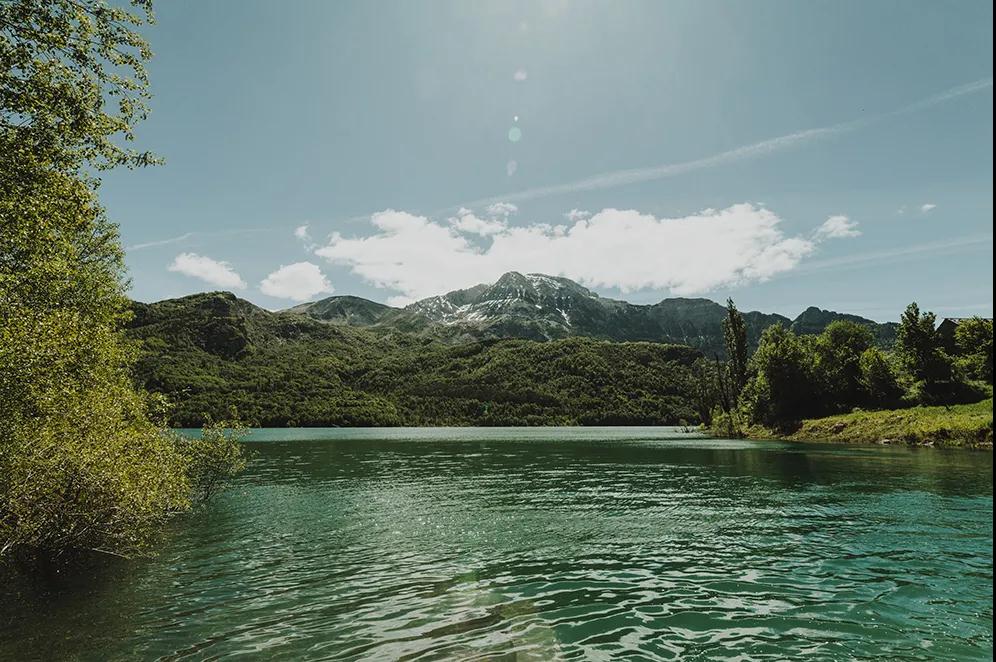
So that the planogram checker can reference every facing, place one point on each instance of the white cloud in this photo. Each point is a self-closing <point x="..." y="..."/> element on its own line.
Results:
<point x="576" y="215"/>
<point x="299" y="281"/>
<point x="520" y="75"/>
<point x="502" y="209"/>
<point x="838" y="227"/>
<point x="303" y="234"/>
<point x="927" y="208"/>
<point x="219" y="274"/>
<point x="420" y="257"/>
<point x="468" y="222"/>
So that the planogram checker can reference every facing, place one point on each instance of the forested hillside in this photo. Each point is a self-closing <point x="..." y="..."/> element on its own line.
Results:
<point x="208" y="351"/>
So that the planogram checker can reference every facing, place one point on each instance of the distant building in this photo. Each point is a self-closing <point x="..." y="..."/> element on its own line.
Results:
<point x="946" y="329"/>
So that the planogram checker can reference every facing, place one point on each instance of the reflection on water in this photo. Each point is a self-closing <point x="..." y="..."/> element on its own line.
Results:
<point x="547" y="544"/>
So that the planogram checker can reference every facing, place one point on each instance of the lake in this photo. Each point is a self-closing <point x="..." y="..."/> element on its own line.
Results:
<point x="545" y="544"/>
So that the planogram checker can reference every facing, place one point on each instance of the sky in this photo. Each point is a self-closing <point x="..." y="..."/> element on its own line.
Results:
<point x="786" y="154"/>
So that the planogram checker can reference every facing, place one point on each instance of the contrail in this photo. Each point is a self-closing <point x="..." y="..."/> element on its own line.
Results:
<point x="189" y="235"/>
<point x="955" y="245"/>
<point x="160" y="242"/>
<point x="755" y="150"/>
<point x="637" y="175"/>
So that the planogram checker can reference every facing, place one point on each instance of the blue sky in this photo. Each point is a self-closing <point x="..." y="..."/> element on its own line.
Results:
<point x="786" y="154"/>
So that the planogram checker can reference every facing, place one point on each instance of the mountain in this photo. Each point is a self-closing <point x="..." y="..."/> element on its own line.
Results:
<point x="349" y="310"/>
<point x="541" y="307"/>
<point x="221" y="324"/>
<point x="813" y="320"/>
<point x="207" y="352"/>
<point x="469" y="357"/>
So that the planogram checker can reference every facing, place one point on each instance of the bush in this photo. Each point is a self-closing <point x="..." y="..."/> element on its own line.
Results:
<point x="214" y="457"/>
<point x="725" y="424"/>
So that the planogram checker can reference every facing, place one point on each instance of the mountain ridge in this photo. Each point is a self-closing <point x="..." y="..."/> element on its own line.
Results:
<point x="208" y="352"/>
<point x="469" y="357"/>
<point x="541" y="307"/>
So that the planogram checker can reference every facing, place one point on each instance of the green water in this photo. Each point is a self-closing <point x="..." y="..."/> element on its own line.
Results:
<point x="591" y="544"/>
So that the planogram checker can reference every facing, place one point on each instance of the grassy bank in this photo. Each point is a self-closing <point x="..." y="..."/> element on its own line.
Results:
<point x="958" y="425"/>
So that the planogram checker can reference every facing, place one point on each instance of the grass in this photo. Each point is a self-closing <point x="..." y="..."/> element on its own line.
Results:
<point x="956" y="425"/>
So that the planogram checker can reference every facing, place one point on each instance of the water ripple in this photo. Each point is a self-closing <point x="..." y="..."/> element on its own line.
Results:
<point x="554" y="546"/>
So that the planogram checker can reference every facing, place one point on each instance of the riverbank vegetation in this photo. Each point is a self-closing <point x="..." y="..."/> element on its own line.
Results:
<point x="86" y="463"/>
<point x="821" y="386"/>
<point x="968" y="425"/>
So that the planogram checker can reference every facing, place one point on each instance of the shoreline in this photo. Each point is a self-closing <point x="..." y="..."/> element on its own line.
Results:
<point x="956" y="426"/>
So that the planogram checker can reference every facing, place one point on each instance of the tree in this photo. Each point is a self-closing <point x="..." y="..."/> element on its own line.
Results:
<point x="735" y="337"/>
<point x="83" y="465"/>
<point x="878" y="380"/>
<point x="918" y="346"/>
<point x="704" y="388"/>
<point x="73" y="80"/>
<point x="974" y="343"/>
<point x="781" y="389"/>
<point x="837" y="355"/>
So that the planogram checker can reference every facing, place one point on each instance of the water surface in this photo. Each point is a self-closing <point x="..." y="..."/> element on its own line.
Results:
<point x="570" y="543"/>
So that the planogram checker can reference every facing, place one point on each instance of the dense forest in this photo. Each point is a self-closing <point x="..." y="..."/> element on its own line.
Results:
<point x="210" y="351"/>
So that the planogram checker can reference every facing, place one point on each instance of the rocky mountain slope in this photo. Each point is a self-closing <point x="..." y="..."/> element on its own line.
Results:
<point x="541" y="307"/>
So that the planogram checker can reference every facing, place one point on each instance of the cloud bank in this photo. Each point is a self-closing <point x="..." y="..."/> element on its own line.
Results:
<point x="211" y="271"/>
<point x="624" y="249"/>
<point x="300" y="281"/>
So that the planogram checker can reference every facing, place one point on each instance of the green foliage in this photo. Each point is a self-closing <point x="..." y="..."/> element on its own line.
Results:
<point x="207" y="351"/>
<point x="82" y="465"/>
<point x="73" y="80"/>
<point x="956" y="425"/>
<point x="704" y="388"/>
<point x="725" y="424"/>
<point x="836" y="356"/>
<point x="919" y="349"/>
<point x="782" y="387"/>
<point x="878" y="380"/>
<point x="794" y="377"/>
<point x="974" y="343"/>
<point x="735" y="339"/>
<point x="214" y="456"/>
